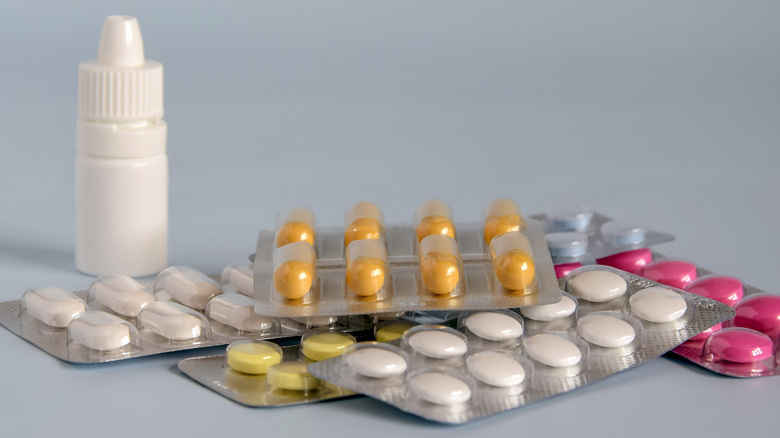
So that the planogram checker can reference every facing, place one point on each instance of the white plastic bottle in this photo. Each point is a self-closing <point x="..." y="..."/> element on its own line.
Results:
<point x="121" y="164"/>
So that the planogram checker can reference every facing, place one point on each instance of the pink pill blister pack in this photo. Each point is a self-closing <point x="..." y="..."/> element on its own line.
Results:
<point x="491" y="361"/>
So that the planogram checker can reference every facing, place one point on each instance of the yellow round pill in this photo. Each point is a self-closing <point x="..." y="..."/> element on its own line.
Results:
<point x="293" y="279"/>
<point x="440" y="272"/>
<point x="253" y="357"/>
<point x="497" y="225"/>
<point x="435" y="225"/>
<point x="321" y="346"/>
<point x="515" y="269"/>
<point x="294" y="232"/>
<point x="395" y="330"/>
<point x="292" y="376"/>
<point x="365" y="277"/>
<point x="363" y="228"/>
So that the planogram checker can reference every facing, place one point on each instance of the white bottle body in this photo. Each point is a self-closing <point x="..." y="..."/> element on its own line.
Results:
<point x="121" y="198"/>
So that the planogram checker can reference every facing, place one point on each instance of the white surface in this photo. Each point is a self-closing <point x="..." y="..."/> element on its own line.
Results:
<point x="664" y="112"/>
<point x="99" y="331"/>
<point x="597" y="286"/>
<point x="376" y="362"/>
<point x="606" y="331"/>
<point x="496" y="369"/>
<point x="53" y="306"/>
<point x="170" y="321"/>
<point x="657" y="304"/>
<point x="120" y="293"/>
<point x="188" y="286"/>
<point x="494" y="326"/>
<point x="548" y="312"/>
<point x="237" y="311"/>
<point x="552" y="350"/>
<point x="440" y="388"/>
<point x="437" y="344"/>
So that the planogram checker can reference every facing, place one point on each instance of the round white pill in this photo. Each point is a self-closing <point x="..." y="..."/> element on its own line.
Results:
<point x="496" y="369"/>
<point x="606" y="331"/>
<point x="553" y="350"/>
<point x="494" y="326"/>
<point x="598" y="286"/>
<point x="548" y="312"/>
<point x="437" y="344"/>
<point x="440" y="388"/>
<point x="376" y="362"/>
<point x="658" y="304"/>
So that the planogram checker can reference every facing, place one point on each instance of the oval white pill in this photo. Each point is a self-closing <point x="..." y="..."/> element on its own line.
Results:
<point x="186" y="285"/>
<point x="598" y="286"/>
<point x="237" y="311"/>
<point x="121" y="294"/>
<point x="170" y="320"/>
<point x="239" y="277"/>
<point x="440" y="388"/>
<point x="548" y="312"/>
<point x="376" y="362"/>
<point x="496" y="369"/>
<point x="494" y="326"/>
<point x="658" y="304"/>
<point x="53" y="306"/>
<point x="553" y="350"/>
<point x="99" y="331"/>
<point x="606" y="331"/>
<point x="437" y="344"/>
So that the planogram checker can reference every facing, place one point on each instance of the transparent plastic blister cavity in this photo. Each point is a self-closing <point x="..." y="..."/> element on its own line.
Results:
<point x="121" y="318"/>
<point x="577" y="235"/>
<point x="491" y="361"/>
<point x="368" y="267"/>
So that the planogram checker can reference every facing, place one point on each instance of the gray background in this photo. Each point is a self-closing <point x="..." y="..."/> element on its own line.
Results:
<point x="664" y="112"/>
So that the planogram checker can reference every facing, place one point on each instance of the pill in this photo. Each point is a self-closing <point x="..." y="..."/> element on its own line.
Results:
<point x="630" y="261"/>
<point x="563" y="269"/>
<point x="502" y="216"/>
<point x="187" y="286"/>
<point x="366" y="267"/>
<point x="567" y="244"/>
<point x="440" y="389"/>
<point x="760" y="312"/>
<point x="727" y="290"/>
<point x="295" y="225"/>
<point x="293" y="279"/>
<point x="363" y="220"/>
<point x="706" y="333"/>
<point x="512" y="261"/>
<point x="99" y="331"/>
<point x="569" y="217"/>
<point x="433" y="217"/>
<point x="740" y="345"/>
<point x="392" y="331"/>
<point x="238" y="277"/>
<point x="438" y="344"/>
<point x="606" y="330"/>
<point x="549" y="312"/>
<point x="440" y="264"/>
<point x="553" y="350"/>
<point x="253" y="357"/>
<point x="53" y="306"/>
<point x="619" y="233"/>
<point x="658" y="304"/>
<point x="376" y="362"/>
<point x="171" y="321"/>
<point x="237" y="311"/>
<point x="121" y="294"/>
<point x="494" y="326"/>
<point x="321" y="346"/>
<point x="495" y="369"/>
<point x="674" y="273"/>
<point x="291" y="376"/>
<point x="598" y="286"/>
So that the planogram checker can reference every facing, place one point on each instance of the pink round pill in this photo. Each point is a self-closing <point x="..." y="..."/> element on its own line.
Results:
<point x="760" y="312"/>
<point x="563" y="269"/>
<point x="674" y="273"/>
<point x="706" y="333"/>
<point x="727" y="290"/>
<point x="740" y="345"/>
<point x="630" y="261"/>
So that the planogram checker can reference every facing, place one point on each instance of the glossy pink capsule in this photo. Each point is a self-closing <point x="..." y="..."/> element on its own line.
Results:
<point x="674" y="273"/>
<point x="760" y="312"/>
<point x="563" y="269"/>
<point x="740" y="345"/>
<point x="727" y="290"/>
<point x="630" y="261"/>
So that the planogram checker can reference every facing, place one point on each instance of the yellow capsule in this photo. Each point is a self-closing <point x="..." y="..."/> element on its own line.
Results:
<point x="294" y="232"/>
<point x="293" y="279"/>
<point x="389" y="332"/>
<point x="322" y="346"/>
<point x="515" y="269"/>
<point x="366" y="276"/>
<point x="440" y="272"/>
<point x="497" y="225"/>
<point x="253" y="357"/>
<point x="292" y="376"/>
<point x="435" y="225"/>
<point x="363" y="228"/>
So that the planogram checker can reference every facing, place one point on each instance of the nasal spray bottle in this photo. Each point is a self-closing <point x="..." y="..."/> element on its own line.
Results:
<point x="121" y="164"/>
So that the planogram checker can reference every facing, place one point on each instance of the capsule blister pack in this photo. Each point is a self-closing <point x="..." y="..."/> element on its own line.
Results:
<point x="577" y="235"/>
<point x="497" y="360"/>
<point x="434" y="264"/>
<point x="120" y="318"/>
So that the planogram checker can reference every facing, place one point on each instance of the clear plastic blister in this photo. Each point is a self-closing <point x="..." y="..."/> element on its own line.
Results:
<point x="496" y="360"/>
<point x="368" y="267"/>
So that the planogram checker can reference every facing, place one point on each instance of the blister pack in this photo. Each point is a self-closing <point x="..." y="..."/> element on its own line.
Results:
<point x="434" y="264"/>
<point x="120" y="318"/>
<point x="497" y="360"/>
